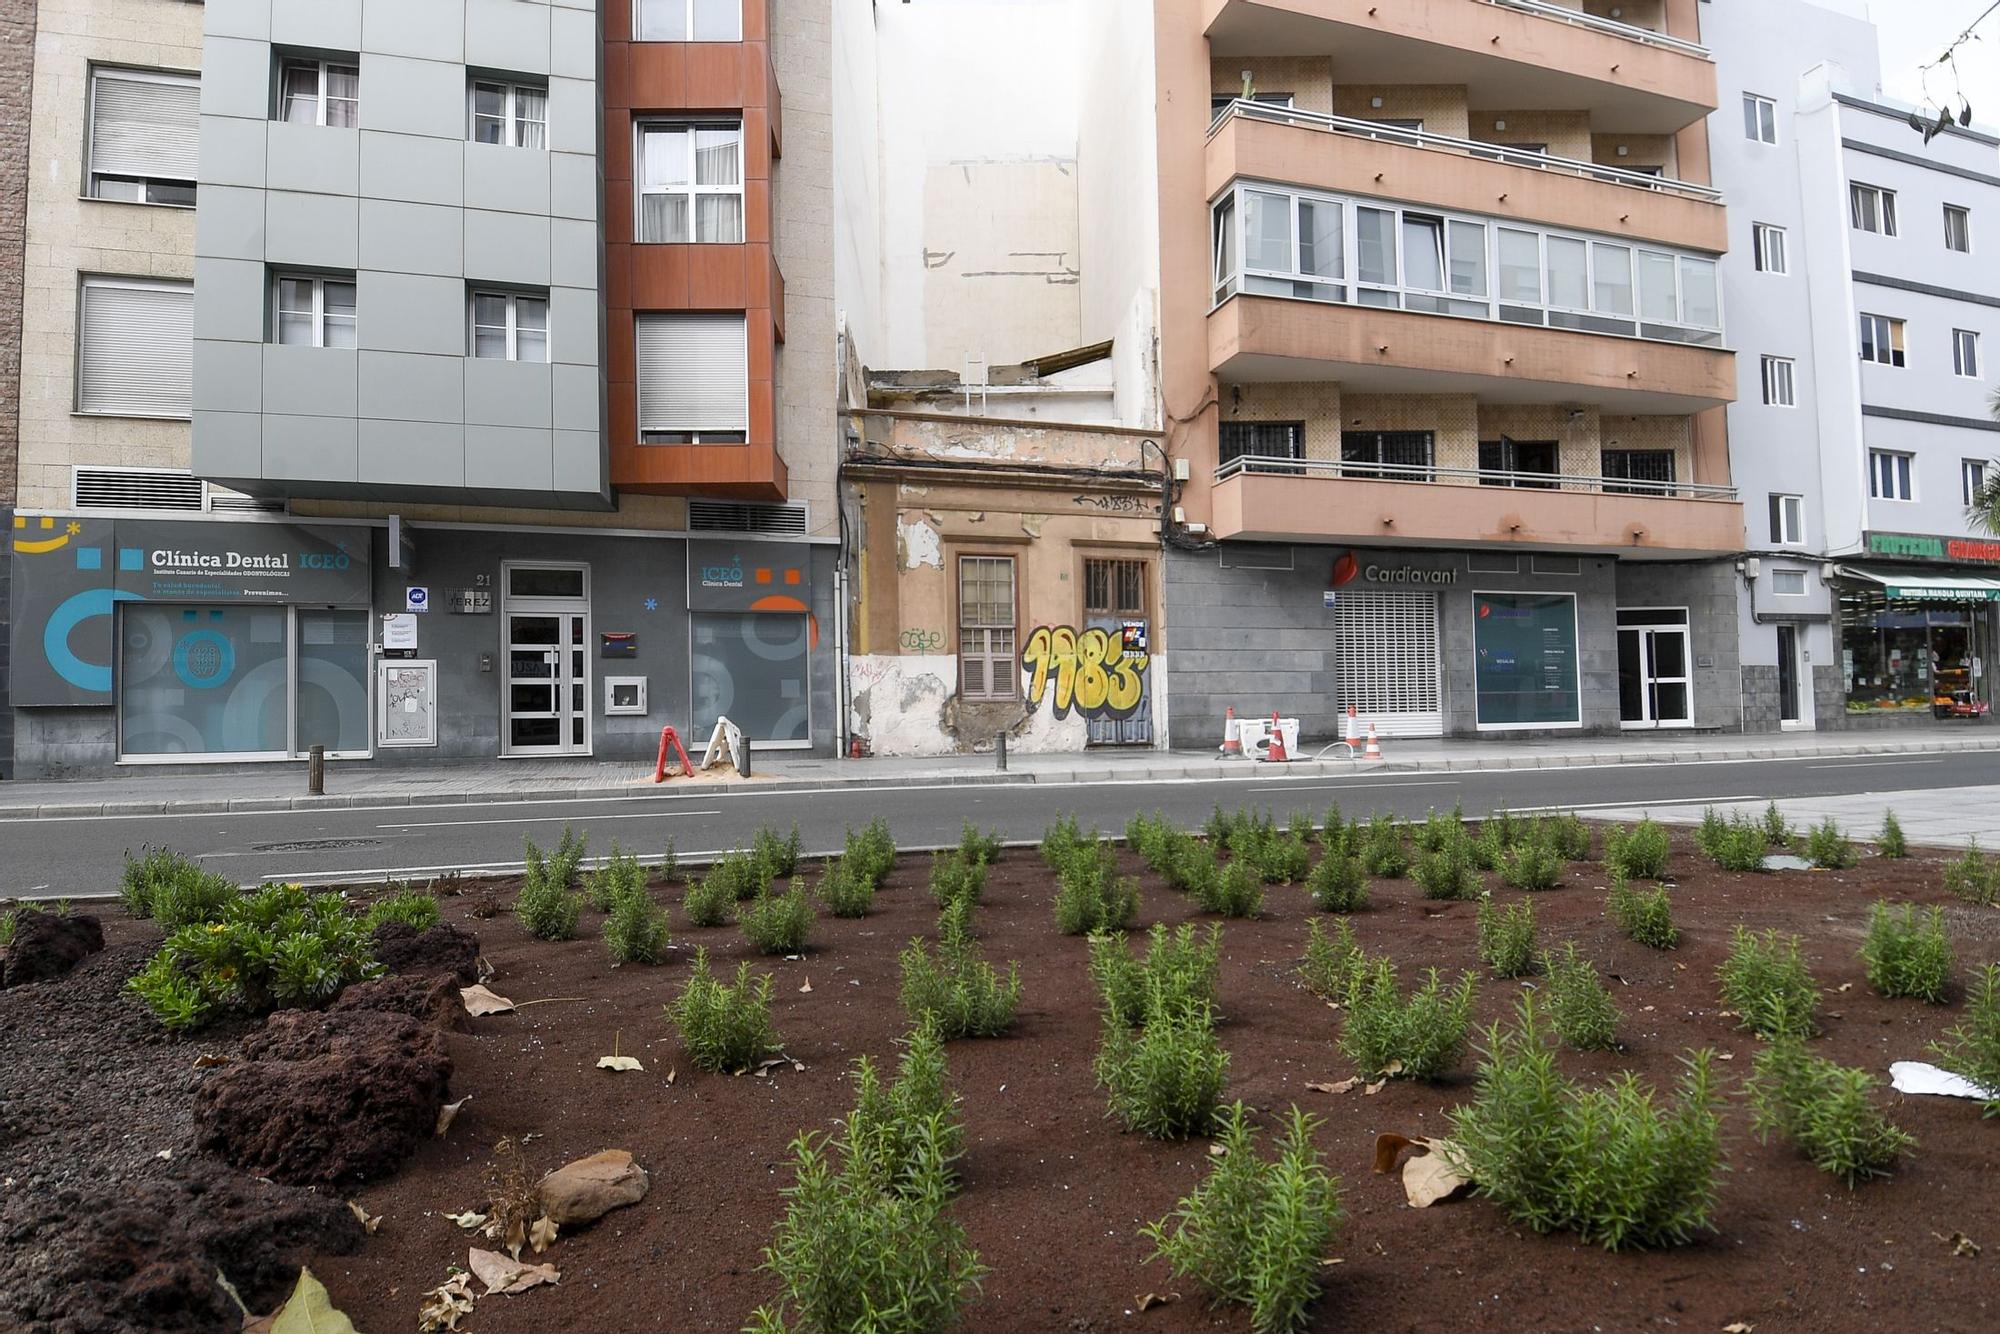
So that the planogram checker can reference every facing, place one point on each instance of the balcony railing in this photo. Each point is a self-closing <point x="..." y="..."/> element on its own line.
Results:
<point x="1272" y="466"/>
<point x="1630" y="32"/>
<point x="1514" y="157"/>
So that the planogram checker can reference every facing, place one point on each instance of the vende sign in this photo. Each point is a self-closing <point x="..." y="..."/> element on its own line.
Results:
<point x="1971" y="550"/>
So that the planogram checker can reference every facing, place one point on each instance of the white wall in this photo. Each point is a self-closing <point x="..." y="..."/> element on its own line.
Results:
<point x="857" y="174"/>
<point x="1117" y="166"/>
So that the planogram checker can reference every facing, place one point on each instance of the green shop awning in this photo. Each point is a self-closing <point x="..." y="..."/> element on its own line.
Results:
<point x="1927" y="586"/>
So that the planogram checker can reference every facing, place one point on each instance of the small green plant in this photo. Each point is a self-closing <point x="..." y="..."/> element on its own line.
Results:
<point x="976" y="848"/>
<point x="9" y="924"/>
<point x="777" y="923"/>
<point x="1337" y="834"/>
<point x="1090" y="894"/>
<point x="1973" y="1048"/>
<point x="670" y="862"/>
<point x="1766" y="984"/>
<point x="1826" y="847"/>
<point x="1646" y="915"/>
<point x="1440" y="830"/>
<point x="1234" y="891"/>
<point x="954" y="988"/>
<point x="275" y="948"/>
<point x="1331" y="962"/>
<point x="776" y="857"/>
<point x="1973" y="878"/>
<point x="1064" y="834"/>
<point x="1507" y="937"/>
<point x="956" y="880"/>
<point x="1338" y="884"/>
<point x="725" y="1027"/>
<point x="1382" y="852"/>
<point x="888" y="1125"/>
<point x="1448" y="871"/>
<point x="1177" y="969"/>
<point x="1188" y="864"/>
<point x="1221" y="827"/>
<point x="1279" y="857"/>
<point x="1907" y="955"/>
<point x="1639" y="853"/>
<point x="548" y="904"/>
<point x="845" y="891"/>
<point x="1580" y="1007"/>
<point x="1708" y="835"/>
<point x="1147" y="835"/>
<point x="415" y="908"/>
<point x="1567" y="835"/>
<point x="1611" y="1164"/>
<point x="1167" y="1081"/>
<point x="1532" y="865"/>
<point x="159" y="882"/>
<point x="1736" y="844"/>
<point x="1777" y="833"/>
<point x="1419" y="1037"/>
<point x="636" y="929"/>
<point x="871" y="853"/>
<point x="1891" y="844"/>
<point x="1255" y="1233"/>
<point x="1825" y="1108"/>
<point x="619" y="875"/>
<point x="710" y="900"/>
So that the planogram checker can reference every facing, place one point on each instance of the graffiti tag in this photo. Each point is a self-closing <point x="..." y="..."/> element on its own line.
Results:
<point x="921" y="641"/>
<point x="1091" y="673"/>
<point x="1118" y="504"/>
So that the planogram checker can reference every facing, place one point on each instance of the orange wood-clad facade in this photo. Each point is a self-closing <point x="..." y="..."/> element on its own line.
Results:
<point x="644" y="80"/>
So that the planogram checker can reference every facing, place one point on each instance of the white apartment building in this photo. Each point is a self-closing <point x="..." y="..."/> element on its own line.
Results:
<point x="1865" y="310"/>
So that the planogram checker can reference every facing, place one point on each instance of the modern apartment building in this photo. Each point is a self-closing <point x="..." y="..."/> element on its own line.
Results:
<point x="1442" y="318"/>
<point x="1866" y="312"/>
<point x="417" y="381"/>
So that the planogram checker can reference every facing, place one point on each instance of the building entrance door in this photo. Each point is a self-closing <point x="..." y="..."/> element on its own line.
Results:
<point x="1794" y="700"/>
<point x="1114" y="598"/>
<point x="1655" y="685"/>
<point x="546" y="708"/>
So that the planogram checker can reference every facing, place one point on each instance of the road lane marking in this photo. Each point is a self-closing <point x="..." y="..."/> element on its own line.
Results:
<point x="1297" y="785"/>
<point x="1863" y="764"/>
<point x="539" y="819"/>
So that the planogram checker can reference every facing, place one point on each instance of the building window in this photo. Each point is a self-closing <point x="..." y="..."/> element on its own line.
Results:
<point x="986" y="668"/>
<point x="1873" y="208"/>
<point x="1635" y="472"/>
<point x="1767" y="243"/>
<point x="320" y="92"/>
<point x="1760" y="119"/>
<point x="1889" y="475"/>
<point x="1882" y="340"/>
<point x="135" y="347"/>
<point x="1221" y="102"/>
<point x="314" y="310"/>
<point x="510" y="326"/>
<point x="694" y="378"/>
<point x="1965" y="353"/>
<point x="144" y="126"/>
<point x="1263" y="440"/>
<point x="1788" y="583"/>
<point x="512" y="115"/>
<point x="1958" y="228"/>
<point x="1780" y="389"/>
<point x="688" y="20"/>
<point x="1401" y="456"/>
<point x="1788" y="521"/>
<point x="1504" y="462"/>
<point x="691" y="182"/>
<point x="1972" y="475"/>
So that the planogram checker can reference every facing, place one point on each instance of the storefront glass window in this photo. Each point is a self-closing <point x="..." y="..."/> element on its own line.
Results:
<point x="1906" y="654"/>
<point x="333" y="680"/>
<point x="198" y="680"/>
<point x="1525" y="671"/>
<point x="751" y="666"/>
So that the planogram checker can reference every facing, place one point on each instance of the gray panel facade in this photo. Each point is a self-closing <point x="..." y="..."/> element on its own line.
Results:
<point x="420" y="217"/>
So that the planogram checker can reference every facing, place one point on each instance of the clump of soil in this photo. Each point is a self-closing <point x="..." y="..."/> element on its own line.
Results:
<point x="431" y="1000"/>
<point x="326" y="1099"/>
<point x="443" y="948"/>
<point x="46" y="945"/>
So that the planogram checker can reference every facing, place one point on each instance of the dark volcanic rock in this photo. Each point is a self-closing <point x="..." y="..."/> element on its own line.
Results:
<point x="434" y="1000"/>
<point x="443" y="948"/>
<point x="47" y="946"/>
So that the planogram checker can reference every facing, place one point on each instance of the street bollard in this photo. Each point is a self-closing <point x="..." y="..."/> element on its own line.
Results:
<point x="316" y="771"/>
<point x="743" y="758"/>
<point x="1000" y="752"/>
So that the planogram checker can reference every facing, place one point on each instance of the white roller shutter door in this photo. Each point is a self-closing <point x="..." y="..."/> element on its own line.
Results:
<point x="694" y="373"/>
<point x="135" y="348"/>
<point x="144" y="125"/>
<point x="1388" y="666"/>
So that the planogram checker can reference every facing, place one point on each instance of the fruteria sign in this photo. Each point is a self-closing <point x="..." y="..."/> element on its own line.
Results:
<point x="1918" y="546"/>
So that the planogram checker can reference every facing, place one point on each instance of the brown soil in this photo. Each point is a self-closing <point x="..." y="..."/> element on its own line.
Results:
<point x="1054" y="1194"/>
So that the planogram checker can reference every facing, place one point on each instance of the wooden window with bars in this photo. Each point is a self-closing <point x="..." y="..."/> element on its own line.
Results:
<point x="986" y="637"/>
<point x="1114" y="589"/>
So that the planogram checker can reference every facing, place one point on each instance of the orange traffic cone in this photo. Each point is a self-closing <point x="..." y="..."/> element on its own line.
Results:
<point x="1374" y="745"/>
<point x="1232" y="744"/>
<point x="1353" y="731"/>
<point x="1276" y="754"/>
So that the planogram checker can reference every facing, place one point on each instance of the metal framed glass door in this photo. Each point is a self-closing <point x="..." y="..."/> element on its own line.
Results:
<point x="548" y="683"/>
<point x="1793" y="702"/>
<point x="1655" y="683"/>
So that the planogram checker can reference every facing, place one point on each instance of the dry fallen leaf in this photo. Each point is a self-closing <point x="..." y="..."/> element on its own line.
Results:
<point x="542" y="1234"/>
<point x="1147" y="1301"/>
<point x="1739" y="1327"/>
<point x="1342" y="1087"/>
<point x="1392" y="1069"/>
<point x="468" y="1220"/>
<point x="208" y="1059"/>
<point x="1961" y="1245"/>
<point x="1433" y="1176"/>
<point x="369" y="1222"/>
<point x="310" y="1311"/>
<point x="670" y="1078"/>
<point x="619" y="1063"/>
<point x="1388" y="1145"/>
<point x="1845" y="986"/>
<point x="1376" y="1087"/>
<point x="446" y="1304"/>
<point x="503" y="1275"/>
<point x="449" y="1112"/>
<point x="1217" y="1151"/>
<point x="806" y="985"/>
<point x="478" y="1000"/>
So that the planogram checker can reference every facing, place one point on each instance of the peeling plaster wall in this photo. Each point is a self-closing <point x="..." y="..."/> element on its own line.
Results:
<point x="905" y="705"/>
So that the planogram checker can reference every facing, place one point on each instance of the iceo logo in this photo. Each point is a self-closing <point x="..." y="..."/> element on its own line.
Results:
<point x="323" y="560"/>
<point x="722" y="576"/>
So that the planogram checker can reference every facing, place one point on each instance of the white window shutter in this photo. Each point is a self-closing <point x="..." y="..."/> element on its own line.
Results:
<point x="694" y="373"/>
<point x="144" y="126"/>
<point x="136" y="348"/>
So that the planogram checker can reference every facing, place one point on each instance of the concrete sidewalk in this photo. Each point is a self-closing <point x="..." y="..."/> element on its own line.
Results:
<point x="278" y="787"/>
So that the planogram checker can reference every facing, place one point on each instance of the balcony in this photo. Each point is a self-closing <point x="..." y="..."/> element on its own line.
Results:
<point x="725" y="472"/>
<point x="1313" y="500"/>
<point x="1523" y="54"/>
<point x="1260" y="141"/>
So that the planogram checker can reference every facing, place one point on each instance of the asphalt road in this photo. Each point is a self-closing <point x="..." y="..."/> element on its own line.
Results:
<point x="79" y="857"/>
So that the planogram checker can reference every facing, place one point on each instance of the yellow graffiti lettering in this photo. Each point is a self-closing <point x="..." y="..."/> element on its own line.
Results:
<point x="1088" y="672"/>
